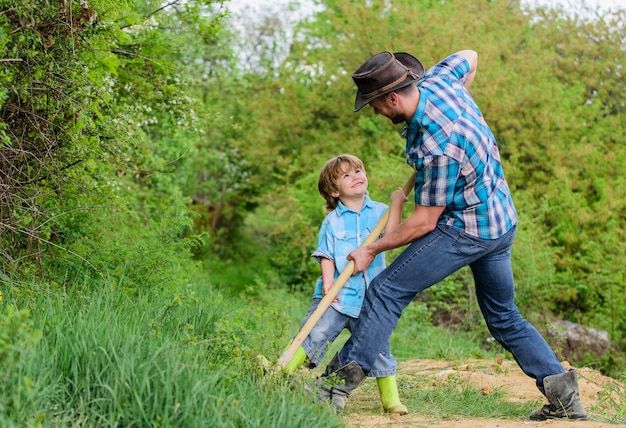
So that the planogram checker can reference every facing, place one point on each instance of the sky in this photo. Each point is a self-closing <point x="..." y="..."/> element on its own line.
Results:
<point x="286" y="13"/>
<point x="603" y="4"/>
<point x="290" y="11"/>
<point x="258" y="5"/>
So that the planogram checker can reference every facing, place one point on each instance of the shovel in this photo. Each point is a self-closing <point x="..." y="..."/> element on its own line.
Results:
<point x="287" y="355"/>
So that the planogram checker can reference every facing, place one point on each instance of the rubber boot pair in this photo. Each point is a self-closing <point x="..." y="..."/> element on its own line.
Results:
<point x="561" y="390"/>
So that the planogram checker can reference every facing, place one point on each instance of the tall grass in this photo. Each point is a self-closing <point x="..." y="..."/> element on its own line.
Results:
<point x="100" y="356"/>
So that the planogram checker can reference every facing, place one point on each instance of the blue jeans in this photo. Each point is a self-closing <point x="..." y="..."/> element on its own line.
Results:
<point x="427" y="261"/>
<point x="326" y="331"/>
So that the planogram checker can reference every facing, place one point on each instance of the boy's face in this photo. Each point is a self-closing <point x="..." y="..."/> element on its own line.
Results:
<point x="351" y="183"/>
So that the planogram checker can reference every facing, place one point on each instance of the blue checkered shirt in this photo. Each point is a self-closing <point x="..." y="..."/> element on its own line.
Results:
<point x="456" y="156"/>
<point x="342" y="231"/>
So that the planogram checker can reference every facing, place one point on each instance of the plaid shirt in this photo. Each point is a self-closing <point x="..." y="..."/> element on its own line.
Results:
<point x="342" y="231"/>
<point x="456" y="156"/>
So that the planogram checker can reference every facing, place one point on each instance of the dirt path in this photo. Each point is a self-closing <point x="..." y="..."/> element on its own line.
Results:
<point x="599" y="394"/>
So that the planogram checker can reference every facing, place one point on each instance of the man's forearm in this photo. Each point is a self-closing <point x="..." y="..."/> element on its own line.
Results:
<point x="422" y="221"/>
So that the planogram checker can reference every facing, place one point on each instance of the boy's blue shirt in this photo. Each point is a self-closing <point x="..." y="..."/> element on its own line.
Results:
<point x="343" y="231"/>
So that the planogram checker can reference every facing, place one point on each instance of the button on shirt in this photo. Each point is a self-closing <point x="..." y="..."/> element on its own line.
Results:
<point x="455" y="155"/>
<point x="343" y="231"/>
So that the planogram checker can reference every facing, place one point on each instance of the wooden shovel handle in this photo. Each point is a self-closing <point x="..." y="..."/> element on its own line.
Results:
<point x="287" y="355"/>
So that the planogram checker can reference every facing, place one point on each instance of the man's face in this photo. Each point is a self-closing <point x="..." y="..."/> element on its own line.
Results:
<point x="384" y="106"/>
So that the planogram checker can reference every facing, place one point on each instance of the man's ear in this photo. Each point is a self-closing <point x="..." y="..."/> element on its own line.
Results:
<point x="393" y="98"/>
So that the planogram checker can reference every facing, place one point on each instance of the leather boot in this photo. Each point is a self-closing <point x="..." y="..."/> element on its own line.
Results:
<point x="323" y="384"/>
<point x="561" y="390"/>
<point x="337" y="382"/>
<point x="350" y="376"/>
<point x="388" y="388"/>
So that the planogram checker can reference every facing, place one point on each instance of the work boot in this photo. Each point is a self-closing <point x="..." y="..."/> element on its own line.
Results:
<point x="389" y="396"/>
<point x="561" y="390"/>
<point x="322" y="387"/>
<point x="338" y="382"/>
<point x="351" y="374"/>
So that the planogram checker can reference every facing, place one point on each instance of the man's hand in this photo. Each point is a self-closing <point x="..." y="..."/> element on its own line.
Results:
<point x="362" y="257"/>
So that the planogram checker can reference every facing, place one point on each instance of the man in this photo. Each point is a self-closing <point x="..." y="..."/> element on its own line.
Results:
<point x="464" y="215"/>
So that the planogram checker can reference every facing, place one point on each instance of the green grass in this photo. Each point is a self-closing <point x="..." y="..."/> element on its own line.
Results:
<point x="105" y="357"/>
<point x="450" y="400"/>
<point x="100" y="355"/>
<point x="417" y="338"/>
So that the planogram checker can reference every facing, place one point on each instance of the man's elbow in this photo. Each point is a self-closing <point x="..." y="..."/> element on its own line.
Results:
<point x="430" y="226"/>
<point x="427" y="226"/>
<point x="471" y="57"/>
<point x="424" y="219"/>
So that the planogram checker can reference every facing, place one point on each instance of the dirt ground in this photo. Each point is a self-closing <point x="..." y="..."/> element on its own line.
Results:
<point x="487" y="376"/>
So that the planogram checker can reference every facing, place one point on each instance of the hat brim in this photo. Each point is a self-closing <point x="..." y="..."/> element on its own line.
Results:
<point x="361" y="102"/>
<point x="407" y="60"/>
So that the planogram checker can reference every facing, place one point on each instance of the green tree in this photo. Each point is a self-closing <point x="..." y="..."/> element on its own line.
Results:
<point x="94" y="114"/>
<point x="549" y="83"/>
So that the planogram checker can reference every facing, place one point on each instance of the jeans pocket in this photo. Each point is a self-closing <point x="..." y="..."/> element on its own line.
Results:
<point x="468" y="245"/>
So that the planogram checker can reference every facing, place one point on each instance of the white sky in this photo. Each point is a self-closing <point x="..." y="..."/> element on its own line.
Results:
<point x="257" y="5"/>
<point x="603" y="4"/>
<point x="287" y="13"/>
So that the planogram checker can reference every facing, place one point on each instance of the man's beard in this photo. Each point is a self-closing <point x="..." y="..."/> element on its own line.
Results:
<point x="397" y="118"/>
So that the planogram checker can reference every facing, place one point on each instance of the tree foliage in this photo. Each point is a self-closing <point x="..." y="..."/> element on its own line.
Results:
<point x="135" y="135"/>
<point x="94" y="112"/>
<point x="550" y="83"/>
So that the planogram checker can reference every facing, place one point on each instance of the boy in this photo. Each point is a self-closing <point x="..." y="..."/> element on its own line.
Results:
<point x="352" y="215"/>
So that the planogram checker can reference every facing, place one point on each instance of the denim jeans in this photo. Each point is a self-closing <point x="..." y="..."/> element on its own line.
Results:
<point x="326" y="331"/>
<point x="427" y="261"/>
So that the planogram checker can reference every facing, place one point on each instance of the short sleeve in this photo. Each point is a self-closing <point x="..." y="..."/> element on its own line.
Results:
<point x="325" y="245"/>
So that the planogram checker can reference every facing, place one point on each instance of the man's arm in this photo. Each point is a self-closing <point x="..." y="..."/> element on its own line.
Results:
<point x="472" y="58"/>
<point x="423" y="220"/>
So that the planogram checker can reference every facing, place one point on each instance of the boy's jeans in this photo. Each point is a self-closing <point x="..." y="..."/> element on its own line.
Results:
<point x="326" y="331"/>
<point x="427" y="261"/>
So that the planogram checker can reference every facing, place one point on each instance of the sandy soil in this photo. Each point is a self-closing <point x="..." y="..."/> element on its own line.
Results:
<point x="486" y="376"/>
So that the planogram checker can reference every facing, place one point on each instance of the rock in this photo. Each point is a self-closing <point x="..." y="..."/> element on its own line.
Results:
<point x="574" y="340"/>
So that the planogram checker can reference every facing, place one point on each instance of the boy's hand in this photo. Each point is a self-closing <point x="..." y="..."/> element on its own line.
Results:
<point x="326" y="289"/>
<point x="399" y="196"/>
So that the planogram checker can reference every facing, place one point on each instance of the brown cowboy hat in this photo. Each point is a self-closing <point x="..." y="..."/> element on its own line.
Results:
<point x="383" y="73"/>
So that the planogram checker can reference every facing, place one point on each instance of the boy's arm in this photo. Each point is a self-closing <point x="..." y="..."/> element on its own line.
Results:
<point x="328" y="274"/>
<point x="398" y="198"/>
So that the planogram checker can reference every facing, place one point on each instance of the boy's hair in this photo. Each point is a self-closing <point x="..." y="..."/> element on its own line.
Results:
<point x="329" y="175"/>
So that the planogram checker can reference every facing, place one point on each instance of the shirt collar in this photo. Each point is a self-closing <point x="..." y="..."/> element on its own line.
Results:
<point x="410" y="132"/>
<point x="341" y="208"/>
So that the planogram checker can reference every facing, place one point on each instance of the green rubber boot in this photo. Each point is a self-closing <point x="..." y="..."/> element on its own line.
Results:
<point x="298" y="360"/>
<point x="389" y="395"/>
